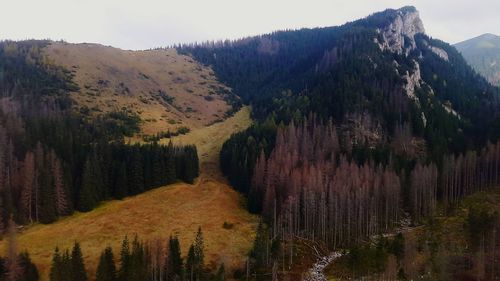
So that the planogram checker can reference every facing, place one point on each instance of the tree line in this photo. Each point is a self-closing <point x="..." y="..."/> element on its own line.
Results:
<point x="138" y="261"/>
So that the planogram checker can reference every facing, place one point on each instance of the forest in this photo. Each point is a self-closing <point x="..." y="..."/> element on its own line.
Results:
<point x="54" y="161"/>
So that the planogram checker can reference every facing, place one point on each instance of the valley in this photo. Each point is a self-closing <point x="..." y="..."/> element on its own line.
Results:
<point x="177" y="209"/>
<point x="364" y="151"/>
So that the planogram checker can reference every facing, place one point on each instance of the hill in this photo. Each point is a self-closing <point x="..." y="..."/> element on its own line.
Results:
<point x="483" y="53"/>
<point x="164" y="89"/>
<point x="175" y="209"/>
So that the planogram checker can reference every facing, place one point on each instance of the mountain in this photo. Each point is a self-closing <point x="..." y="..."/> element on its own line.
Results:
<point x="483" y="53"/>
<point x="378" y="78"/>
<point x="363" y="67"/>
<point x="360" y="128"/>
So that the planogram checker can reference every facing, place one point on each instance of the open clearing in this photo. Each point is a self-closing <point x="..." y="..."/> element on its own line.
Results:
<point x="179" y="208"/>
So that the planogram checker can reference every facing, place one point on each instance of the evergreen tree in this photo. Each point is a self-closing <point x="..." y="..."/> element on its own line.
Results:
<point x="106" y="270"/>
<point x="29" y="270"/>
<point x="47" y="204"/>
<point x="199" y="253"/>
<point x="174" y="260"/>
<point x="121" y="183"/>
<point x="88" y="197"/>
<point x="125" y="261"/>
<point x="191" y="264"/>
<point x="56" y="269"/>
<point x="171" y="173"/>
<point x="139" y="270"/>
<point x="77" y="264"/>
<point x="136" y="172"/>
<point x="194" y="263"/>
<point x="66" y="269"/>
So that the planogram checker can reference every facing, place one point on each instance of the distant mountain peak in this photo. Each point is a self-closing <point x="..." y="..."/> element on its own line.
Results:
<point x="400" y="29"/>
<point x="483" y="53"/>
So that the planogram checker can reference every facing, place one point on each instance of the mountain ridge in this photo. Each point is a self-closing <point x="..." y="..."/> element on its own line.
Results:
<point x="483" y="53"/>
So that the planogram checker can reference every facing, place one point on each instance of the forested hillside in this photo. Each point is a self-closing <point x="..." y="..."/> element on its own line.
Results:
<point x="358" y="127"/>
<point x="54" y="161"/>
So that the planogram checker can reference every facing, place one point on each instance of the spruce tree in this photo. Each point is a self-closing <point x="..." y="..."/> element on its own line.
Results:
<point x="199" y="254"/>
<point x="138" y="261"/>
<point x="106" y="270"/>
<point x="47" y="204"/>
<point x="125" y="261"/>
<point x="77" y="264"/>
<point x="174" y="259"/>
<point x="136" y="172"/>
<point x="88" y="196"/>
<point x="190" y="264"/>
<point x="66" y="268"/>
<point x="56" y="269"/>
<point x="172" y="170"/>
<point x="29" y="270"/>
<point x="121" y="181"/>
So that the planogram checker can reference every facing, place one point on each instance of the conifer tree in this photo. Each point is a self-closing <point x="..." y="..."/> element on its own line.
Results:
<point x="191" y="264"/>
<point x="125" y="261"/>
<point x="56" y="268"/>
<point x="106" y="270"/>
<point x="174" y="259"/>
<point x="77" y="264"/>
<point x="29" y="270"/>
<point x="121" y="182"/>
<point x="136" y="172"/>
<point x="88" y="198"/>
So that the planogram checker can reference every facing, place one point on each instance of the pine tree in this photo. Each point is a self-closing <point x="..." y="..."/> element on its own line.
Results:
<point x="106" y="270"/>
<point x="172" y="170"/>
<point x="138" y="261"/>
<point x="136" y="172"/>
<point x="47" y="209"/>
<point x="191" y="264"/>
<point x="56" y="269"/>
<point x="29" y="270"/>
<point x="198" y="256"/>
<point x="88" y="198"/>
<point x="174" y="260"/>
<point x="77" y="264"/>
<point x="125" y="261"/>
<point x="66" y="268"/>
<point x="121" y="182"/>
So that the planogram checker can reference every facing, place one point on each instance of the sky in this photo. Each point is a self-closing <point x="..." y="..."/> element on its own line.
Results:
<point x="145" y="24"/>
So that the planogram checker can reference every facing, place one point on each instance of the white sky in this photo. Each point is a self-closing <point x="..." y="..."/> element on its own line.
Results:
<point x="143" y="24"/>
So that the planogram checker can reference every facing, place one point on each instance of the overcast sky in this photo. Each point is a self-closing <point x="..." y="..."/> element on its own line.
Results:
<point x="143" y="24"/>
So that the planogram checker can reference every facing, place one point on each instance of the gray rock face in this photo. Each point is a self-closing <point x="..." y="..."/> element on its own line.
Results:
<point x="413" y="81"/>
<point x="406" y="24"/>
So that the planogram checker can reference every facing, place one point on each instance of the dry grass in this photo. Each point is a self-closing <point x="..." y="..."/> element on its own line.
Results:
<point x="111" y="79"/>
<point x="178" y="208"/>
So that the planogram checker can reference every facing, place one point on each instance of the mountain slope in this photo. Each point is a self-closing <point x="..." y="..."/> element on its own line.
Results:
<point x="175" y="209"/>
<point x="483" y="53"/>
<point x="383" y="66"/>
<point x="165" y="89"/>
